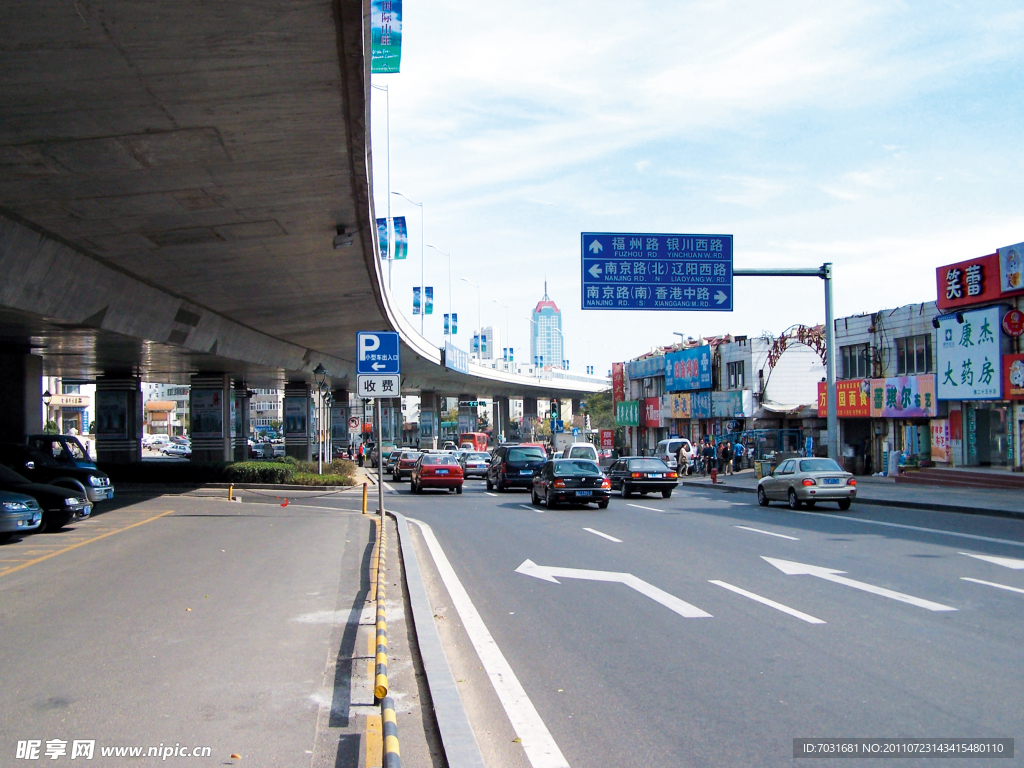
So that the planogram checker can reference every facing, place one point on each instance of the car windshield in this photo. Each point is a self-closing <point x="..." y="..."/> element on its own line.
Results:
<point x="439" y="459"/>
<point x="10" y="476"/>
<point x="576" y="469"/>
<point x="525" y="454"/>
<point x="647" y="465"/>
<point x="819" y="465"/>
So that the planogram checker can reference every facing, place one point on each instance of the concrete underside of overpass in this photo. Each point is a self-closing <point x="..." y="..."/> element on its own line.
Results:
<point x="172" y="176"/>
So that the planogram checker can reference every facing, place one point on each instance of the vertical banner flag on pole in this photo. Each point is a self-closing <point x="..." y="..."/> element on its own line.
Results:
<point x="401" y="238"/>
<point x="446" y="331"/>
<point x="416" y="300"/>
<point x="455" y="323"/>
<point x="382" y="237"/>
<point x="428" y="306"/>
<point x="385" y="36"/>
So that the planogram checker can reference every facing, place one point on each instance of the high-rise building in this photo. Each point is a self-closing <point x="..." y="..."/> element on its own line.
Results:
<point x="546" y="341"/>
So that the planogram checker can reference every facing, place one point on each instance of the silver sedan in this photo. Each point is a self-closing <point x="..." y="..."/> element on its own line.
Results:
<point x="807" y="481"/>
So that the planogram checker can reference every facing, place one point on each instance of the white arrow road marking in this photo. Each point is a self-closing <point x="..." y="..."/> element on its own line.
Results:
<point x="1006" y="562"/>
<point x="595" y="271"/>
<point x="973" y="536"/>
<point x="673" y="603"/>
<point x="488" y="493"/>
<point x="993" y="584"/>
<point x="720" y="297"/>
<point x="540" y="747"/>
<point x="770" y="603"/>
<point x="596" y="247"/>
<point x="532" y="509"/>
<point x="603" y="535"/>
<point x="790" y="568"/>
<point x="767" y="533"/>
<point x="651" y="509"/>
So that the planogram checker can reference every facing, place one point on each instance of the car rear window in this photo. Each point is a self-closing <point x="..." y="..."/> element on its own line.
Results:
<point x="582" y="452"/>
<point x="410" y="455"/>
<point x="648" y="465"/>
<point x="525" y="454"/>
<point x="479" y="456"/>
<point x="439" y="459"/>
<point x="576" y="469"/>
<point x="819" y="465"/>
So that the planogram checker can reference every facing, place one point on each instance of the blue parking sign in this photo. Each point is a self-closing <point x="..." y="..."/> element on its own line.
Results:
<point x="377" y="353"/>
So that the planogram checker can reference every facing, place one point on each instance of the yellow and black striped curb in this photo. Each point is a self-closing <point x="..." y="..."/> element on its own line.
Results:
<point x="392" y="757"/>
<point x="380" y="682"/>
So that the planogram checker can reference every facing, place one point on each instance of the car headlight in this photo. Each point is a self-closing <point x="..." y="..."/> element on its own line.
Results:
<point x="95" y="480"/>
<point x="73" y="501"/>
<point x="15" y="506"/>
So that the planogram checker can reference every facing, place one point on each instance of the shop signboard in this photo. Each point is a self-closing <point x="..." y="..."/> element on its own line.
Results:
<point x="975" y="281"/>
<point x="1013" y="377"/>
<point x="678" y="405"/>
<point x="618" y="382"/>
<point x="688" y="369"/>
<point x="903" y="397"/>
<point x="652" y="412"/>
<point x="853" y="396"/>
<point x="607" y="439"/>
<point x="969" y="355"/>
<point x="646" y="367"/>
<point x="1011" y="273"/>
<point x="941" y="443"/>
<point x="207" y="413"/>
<point x="1013" y="323"/>
<point x="627" y="413"/>
<point x="701" y="405"/>
<point x="735" y="403"/>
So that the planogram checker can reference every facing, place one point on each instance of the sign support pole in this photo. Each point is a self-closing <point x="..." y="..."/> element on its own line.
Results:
<point x="825" y="273"/>
<point x="380" y="459"/>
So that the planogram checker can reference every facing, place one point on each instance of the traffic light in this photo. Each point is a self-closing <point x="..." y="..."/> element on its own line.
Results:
<point x="556" y="409"/>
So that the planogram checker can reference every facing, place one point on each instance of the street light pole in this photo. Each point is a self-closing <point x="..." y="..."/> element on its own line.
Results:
<point x="423" y="289"/>
<point x="449" y="256"/>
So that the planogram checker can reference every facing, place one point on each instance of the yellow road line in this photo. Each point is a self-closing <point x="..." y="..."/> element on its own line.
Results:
<point x="374" y="742"/>
<point x="83" y="543"/>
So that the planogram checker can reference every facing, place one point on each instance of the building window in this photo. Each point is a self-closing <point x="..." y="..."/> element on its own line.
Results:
<point x="855" y="361"/>
<point x="72" y="389"/>
<point x="736" y="380"/>
<point x="913" y="355"/>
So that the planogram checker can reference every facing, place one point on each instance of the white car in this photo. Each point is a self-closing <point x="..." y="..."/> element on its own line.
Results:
<point x="155" y="441"/>
<point x="580" y="451"/>
<point x="667" y="450"/>
<point x="173" y="449"/>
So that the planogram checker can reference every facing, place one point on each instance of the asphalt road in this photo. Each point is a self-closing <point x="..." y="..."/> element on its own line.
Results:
<point x="899" y="645"/>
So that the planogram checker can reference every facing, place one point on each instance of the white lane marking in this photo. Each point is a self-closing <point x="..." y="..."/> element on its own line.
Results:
<point x="912" y="528"/>
<point x="740" y="504"/>
<point x="767" y="533"/>
<point x="673" y="603"/>
<point x="652" y="509"/>
<point x="1006" y="562"/>
<point x="603" y="535"/>
<point x="537" y="741"/>
<point x="488" y="493"/>
<point x="532" y="509"/>
<point x="791" y="568"/>
<point x="993" y="584"/>
<point x="770" y="603"/>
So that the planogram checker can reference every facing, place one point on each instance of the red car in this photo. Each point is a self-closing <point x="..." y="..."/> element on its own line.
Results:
<point x="436" y="470"/>
<point x="406" y="464"/>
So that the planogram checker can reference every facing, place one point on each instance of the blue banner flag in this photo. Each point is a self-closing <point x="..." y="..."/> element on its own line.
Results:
<point x="385" y="36"/>
<point x="428" y="307"/>
<point x="446" y="331"/>
<point x="401" y="238"/>
<point x="455" y="323"/>
<point x="382" y="237"/>
<point x="416" y="300"/>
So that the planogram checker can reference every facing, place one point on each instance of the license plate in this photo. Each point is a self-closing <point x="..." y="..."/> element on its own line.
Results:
<point x="442" y="471"/>
<point x="584" y="493"/>
<point x="654" y="476"/>
<point x="110" y="493"/>
<point x="831" y="481"/>
<point x="526" y="472"/>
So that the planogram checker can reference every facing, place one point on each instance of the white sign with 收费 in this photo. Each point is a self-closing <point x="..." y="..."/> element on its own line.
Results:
<point x="969" y="356"/>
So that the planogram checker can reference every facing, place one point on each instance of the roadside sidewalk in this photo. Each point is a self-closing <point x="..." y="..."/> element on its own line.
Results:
<point x="997" y="502"/>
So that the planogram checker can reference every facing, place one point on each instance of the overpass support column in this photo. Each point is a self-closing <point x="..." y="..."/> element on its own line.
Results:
<point x="340" y="413"/>
<point x="577" y="406"/>
<point x="429" y="423"/>
<point x="243" y="400"/>
<point x="118" y="419"/>
<point x="212" y="413"/>
<point x="467" y="415"/>
<point x="21" y="397"/>
<point x="529" y="425"/>
<point x="501" y="416"/>
<point x="298" y="432"/>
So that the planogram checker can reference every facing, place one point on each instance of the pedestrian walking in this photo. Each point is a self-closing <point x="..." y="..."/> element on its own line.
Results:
<point x="362" y="453"/>
<point x="708" y="454"/>
<point x="737" y="460"/>
<point x="726" y="457"/>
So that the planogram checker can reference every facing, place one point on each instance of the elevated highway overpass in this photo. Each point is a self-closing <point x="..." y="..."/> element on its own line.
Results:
<point x="172" y="177"/>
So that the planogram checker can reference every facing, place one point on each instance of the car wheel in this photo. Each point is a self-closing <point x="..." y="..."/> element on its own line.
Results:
<point x="667" y="494"/>
<point x="490" y="485"/>
<point x="625" y="491"/>
<point x="500" y="487"/>
<point x="602" y="504"/>
<point x="53" y="522"/>
<point x="534" y="497"/>
<point x="762" y="497"/>
<point x="458" y="489"/>
<point x="794" y="502"/>
<point x="395" y="478"/>
<point x="550" y="501"/>
<point x="844" y="504"/>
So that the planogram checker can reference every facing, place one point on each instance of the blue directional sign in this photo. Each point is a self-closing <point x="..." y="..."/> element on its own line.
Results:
<point x="377" y="353"/>
<point x="659" y="272"/>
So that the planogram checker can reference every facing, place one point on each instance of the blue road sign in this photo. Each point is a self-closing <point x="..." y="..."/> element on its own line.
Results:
<point x="377" y="353"/>
<point x="659" y="272"/>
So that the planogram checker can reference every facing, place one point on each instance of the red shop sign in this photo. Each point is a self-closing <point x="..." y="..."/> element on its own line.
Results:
<point x="1013" y="323"/>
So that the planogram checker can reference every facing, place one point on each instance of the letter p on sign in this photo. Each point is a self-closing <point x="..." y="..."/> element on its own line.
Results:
<point x="368" y="343"/>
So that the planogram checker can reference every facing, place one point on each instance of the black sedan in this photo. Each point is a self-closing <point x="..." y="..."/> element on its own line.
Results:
<point x="643" y="475"/>
<point x="60" y="506"/>
<point x="571" y="480"/>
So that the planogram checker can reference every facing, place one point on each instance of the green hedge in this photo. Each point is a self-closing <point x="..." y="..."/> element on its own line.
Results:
<point x="275" y="472"/>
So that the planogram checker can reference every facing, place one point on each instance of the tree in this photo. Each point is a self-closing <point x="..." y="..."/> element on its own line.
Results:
<point x="51" y="427"/>
<point x="601" y="410"/>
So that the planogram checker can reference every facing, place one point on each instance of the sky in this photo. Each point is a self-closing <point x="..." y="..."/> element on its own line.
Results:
<point x="884" y="137"/>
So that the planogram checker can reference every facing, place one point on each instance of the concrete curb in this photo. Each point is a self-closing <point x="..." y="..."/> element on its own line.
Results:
<point x="457" y="738"/>
<point x="1006" y="513"/>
